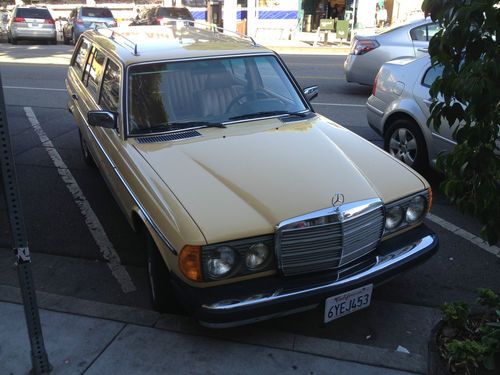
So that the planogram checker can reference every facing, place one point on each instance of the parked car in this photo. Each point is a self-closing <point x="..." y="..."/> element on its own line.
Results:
<point x="398" y="109"/>
<point x="85" y="18"/>
<point x="161" y="15"/>
<point x="368" y="53"/>
<point x="251" y="204"/>
<point x="31" y="23"/>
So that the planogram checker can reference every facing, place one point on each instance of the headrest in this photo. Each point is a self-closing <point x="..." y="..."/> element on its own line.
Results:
<point x="219" y="79"/>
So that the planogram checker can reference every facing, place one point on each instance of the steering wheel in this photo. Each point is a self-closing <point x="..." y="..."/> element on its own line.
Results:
<point x="248" y="96"/>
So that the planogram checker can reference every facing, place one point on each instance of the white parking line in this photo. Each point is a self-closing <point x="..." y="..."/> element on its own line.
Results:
<point x="94" y="225"/>
<point x="339" y="104"/>
<point x="495" y="250"/>
<point x="32" y="88"/>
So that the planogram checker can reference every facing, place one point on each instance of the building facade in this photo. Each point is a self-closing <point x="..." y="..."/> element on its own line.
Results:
<point x="276" y="19"/>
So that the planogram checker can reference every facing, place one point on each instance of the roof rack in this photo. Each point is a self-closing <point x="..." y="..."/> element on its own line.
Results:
<point x="119" y="39"/>
<point x="212" y="27"/>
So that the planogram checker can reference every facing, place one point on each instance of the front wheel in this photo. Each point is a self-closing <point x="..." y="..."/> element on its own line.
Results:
<point x="161" y="293"/>
<point x="73" y="37"/>
<point x="404" y="140"/>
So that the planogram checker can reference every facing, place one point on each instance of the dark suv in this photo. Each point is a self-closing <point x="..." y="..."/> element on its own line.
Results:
<point x="162" y="15"/>
<point x="84" y="18"/>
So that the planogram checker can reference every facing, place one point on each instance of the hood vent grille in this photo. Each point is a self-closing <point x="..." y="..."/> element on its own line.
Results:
<point x="178" y="136"/>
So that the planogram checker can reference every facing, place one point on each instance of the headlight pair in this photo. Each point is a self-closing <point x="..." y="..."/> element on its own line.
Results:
<point x="407" y="211"/>
<point x="236" y="258"/>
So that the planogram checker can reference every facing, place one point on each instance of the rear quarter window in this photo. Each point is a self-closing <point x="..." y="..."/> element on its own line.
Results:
<point x="33" y="13"/>
<point x="431" y="74"/>
<point x="81" y="55"/>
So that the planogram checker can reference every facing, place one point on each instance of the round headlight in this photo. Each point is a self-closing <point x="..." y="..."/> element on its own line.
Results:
<point x="221" y="262"/>
<point x="256" y="256"/>
<point x="415" y="209"/>
<point x="393" y="217"/>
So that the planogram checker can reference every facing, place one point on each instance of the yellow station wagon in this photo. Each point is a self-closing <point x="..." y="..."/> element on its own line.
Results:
<point x="252" y="205"/>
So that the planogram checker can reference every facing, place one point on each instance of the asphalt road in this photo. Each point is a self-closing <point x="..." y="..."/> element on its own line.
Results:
<point x="66" y="258"/>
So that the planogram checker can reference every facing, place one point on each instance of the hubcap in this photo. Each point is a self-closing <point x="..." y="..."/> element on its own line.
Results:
<point x="403" y="146"/>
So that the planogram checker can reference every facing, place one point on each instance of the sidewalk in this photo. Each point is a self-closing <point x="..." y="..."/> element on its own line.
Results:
<point x="97" y="338"/>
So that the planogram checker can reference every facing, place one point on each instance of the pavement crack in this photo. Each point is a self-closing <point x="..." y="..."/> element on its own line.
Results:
<point x="105" y="348"/>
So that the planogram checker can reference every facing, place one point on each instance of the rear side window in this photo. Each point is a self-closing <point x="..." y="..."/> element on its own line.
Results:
<point x="97" y="12"/>
<point x="424" y="33"/>
<point x="431" y="74"/>
<point x="110" y="92"/>
<point x="33" y="13"/>
<point x="94" y="70"/>
<point x="81" y="54"/>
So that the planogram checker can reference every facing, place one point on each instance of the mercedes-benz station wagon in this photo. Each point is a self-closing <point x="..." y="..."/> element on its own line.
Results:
<point x="252" y="205"/>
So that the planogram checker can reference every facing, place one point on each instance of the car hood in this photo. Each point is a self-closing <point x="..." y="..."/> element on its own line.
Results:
<point x="243" y="180"/>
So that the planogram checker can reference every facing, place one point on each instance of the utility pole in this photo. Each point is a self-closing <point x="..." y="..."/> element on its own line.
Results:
<point x="19" y="241"/>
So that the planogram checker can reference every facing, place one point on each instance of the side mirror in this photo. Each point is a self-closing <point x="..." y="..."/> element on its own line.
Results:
<point x="311" y="92"/>
<point x="103" y="119"/>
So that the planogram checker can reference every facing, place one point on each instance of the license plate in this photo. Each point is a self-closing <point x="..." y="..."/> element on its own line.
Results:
<point x="348" y="302"/>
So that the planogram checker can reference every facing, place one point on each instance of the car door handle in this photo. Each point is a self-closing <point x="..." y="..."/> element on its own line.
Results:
<point x="74" y="96"/>
<point x="428" y="102"/>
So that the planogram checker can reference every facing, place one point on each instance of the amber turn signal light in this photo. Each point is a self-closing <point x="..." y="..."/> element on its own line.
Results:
<point x="190" y="262"/>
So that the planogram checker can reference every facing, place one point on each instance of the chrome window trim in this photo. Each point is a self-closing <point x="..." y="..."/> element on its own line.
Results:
<point x="252" y="54"/>
<point x="129" y="189"/>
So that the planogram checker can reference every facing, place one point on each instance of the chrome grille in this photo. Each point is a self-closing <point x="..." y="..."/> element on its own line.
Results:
<point x="347" y="234"/>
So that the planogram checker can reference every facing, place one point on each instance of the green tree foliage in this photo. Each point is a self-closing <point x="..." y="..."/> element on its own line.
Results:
<point x="469" y="92"/>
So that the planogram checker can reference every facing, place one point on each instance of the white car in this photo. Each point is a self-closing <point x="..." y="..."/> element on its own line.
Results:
<point x="398" y="109"/>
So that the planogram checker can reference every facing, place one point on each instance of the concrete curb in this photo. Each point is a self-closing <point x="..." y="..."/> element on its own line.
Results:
<point x="255" y="335"/>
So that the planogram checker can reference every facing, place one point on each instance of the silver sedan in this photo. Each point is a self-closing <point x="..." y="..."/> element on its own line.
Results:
<point x="368" y="53"/>
<point x="398" y="109"/>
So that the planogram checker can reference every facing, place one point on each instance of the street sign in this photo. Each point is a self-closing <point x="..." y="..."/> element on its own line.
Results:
<point x="327" y="24"/>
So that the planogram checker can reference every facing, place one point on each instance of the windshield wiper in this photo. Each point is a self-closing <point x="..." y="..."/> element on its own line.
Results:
<point x="178" y="126"/>
<point x="268" y="113"/>
<point x="188" y="124"/>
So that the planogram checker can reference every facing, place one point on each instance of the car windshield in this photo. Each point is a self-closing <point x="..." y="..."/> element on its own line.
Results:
<point x="97" y="12"/>
<point x="178" y="95"/>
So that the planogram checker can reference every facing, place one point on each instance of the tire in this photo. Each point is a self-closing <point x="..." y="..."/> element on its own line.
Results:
<point x="13" y="41"/>
<point x="53" y="41"/>
<point x="160" y="290"/>
<point x="73" y="37"/>
<point x="87" y="156"/>
<point x="404" y="140"/>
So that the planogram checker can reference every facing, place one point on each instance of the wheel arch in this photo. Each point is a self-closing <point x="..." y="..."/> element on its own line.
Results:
<point x="141" y="225"/>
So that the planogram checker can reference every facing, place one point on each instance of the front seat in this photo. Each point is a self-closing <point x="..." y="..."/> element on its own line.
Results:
<point x="220" y="90"/>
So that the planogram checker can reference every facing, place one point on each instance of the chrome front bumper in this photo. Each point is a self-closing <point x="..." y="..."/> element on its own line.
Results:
<point x="260" y="299"/>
